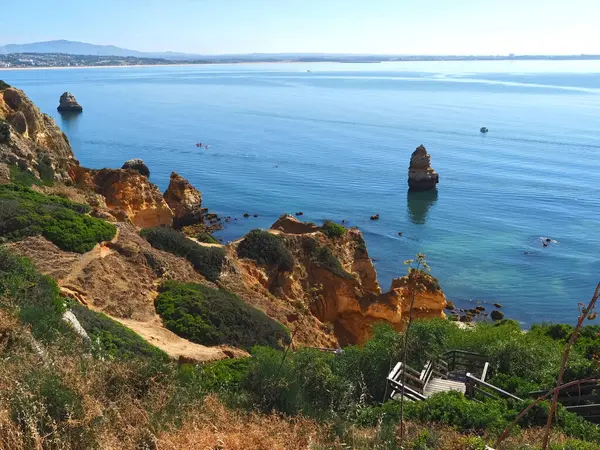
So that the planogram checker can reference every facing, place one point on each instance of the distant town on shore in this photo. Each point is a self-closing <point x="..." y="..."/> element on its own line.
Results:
<point x="64" y="53"/>
<point x="30" y="60"/>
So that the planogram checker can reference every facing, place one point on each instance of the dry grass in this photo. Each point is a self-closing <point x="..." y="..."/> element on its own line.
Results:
<point x="125" y="408"/>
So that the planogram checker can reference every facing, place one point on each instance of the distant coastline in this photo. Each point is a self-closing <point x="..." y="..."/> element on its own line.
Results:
<point x="62" y="61"/>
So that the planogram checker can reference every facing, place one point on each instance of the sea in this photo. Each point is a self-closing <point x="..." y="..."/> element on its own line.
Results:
<point x="334" y="140"/>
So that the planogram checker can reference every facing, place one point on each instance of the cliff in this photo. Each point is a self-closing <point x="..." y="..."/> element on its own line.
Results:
<point x="33" y="142"/>
<point x="334" y="278"/>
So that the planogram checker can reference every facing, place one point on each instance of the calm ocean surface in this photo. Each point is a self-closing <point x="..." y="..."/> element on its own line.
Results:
<point x="335" y="143"/>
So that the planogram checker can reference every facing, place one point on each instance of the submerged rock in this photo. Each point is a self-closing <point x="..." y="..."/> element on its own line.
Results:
<point x="68" y="103"/>
<point x="421" y="176"/>
<point x="137" y="164"/>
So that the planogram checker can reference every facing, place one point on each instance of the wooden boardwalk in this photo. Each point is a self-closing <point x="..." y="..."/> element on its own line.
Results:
<point x="436" y="385"/>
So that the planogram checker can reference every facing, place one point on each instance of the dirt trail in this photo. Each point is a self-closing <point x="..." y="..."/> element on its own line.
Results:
<point x="173" y="345"/>
<point x="150" y="330"/>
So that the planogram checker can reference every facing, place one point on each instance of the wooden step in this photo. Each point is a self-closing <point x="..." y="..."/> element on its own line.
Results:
<point x="440" y="385"/>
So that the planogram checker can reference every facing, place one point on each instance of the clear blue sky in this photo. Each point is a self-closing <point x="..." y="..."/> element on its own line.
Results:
<point x="340" y="26"/>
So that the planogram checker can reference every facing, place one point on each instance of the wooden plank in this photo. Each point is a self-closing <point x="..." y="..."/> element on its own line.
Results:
<point x="395" y="371"/>
<point x="584" y="409"/>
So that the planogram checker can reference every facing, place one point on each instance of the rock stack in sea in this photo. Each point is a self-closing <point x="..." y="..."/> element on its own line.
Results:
<point x="68" y="103"/>
<point x="421" y="176"/>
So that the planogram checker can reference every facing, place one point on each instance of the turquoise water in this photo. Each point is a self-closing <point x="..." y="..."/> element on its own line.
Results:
<point x="335" y="143"/>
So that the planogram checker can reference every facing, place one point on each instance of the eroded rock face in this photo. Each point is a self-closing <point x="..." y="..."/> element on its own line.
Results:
<point x="68" y="103"/>
<point x="349" y="297"/>
<point x="28" y="137"/>
<point x="421" y="176"/>
<point x="127" y="191"/>
<point x="291" y="225"/>
<point x="137" y="164"/>
<point x="185" y="201"/>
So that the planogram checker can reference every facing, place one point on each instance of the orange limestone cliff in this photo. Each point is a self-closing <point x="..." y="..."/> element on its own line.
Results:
<point x="128" y="193"/>
<point x="335" y="279"/>
<point x="31" y="140"/>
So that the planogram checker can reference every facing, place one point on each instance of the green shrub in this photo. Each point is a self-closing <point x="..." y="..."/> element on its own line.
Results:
<point x="207" y="238"/>
<point x="4" y="131"/>
<point x="206" y="260"/>
<point x="324" y="257"/>
<point x="36" y="297"/>
<point x="293" y="383"/>
<point x="112" y="339"/>
<point x="367" y="367"/>
<point x="266" y="248"/>
<point x="454" y="409"/>
<point x="22" y="177"/>
<point x="215" y="316"/>
<point x="46" y="172"/>
<point x="332" y="229"/>
<point x="3" y="85"/>
<point x="225" y="375"/>
<point x="24" y="212"/>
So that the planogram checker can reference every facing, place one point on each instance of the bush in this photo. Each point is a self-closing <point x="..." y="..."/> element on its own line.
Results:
<point x="24" y="212"/>
<point x="324" y="257"/>
<point x="22" y="177"/>
<point x="207" y="238"/>
<point x="302" y="382"/>
<point x="215" y="316"/>
<point x="225" y="375"/>
<point x="111" y="338"/>
<point x="266" y="248"/>
<point x="35" y="296"/>
<point x="206" y="260"/>
<point x="332" y="229"/>
<point x="3" y="85"/>
<point x="4" y="131"/>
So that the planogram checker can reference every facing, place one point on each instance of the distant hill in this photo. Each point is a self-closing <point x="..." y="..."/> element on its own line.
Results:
<point x="83" y="48"/>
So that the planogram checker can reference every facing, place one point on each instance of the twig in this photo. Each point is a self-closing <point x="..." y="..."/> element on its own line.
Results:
<point x="507" y="430"/>
<point x="552" y="409"/>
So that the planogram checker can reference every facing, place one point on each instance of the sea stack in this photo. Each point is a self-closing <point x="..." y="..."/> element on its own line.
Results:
<point x="421" y="176"/>
<point x="68" y="103"/>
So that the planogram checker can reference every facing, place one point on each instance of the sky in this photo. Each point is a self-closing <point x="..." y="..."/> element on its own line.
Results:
<point x="456" y="27"/>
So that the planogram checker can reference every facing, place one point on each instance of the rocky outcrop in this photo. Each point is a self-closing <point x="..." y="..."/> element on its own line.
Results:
<point x="421" y="176"/>
<point x="129" y="192"/>
<point x="137" y="164"/>
<point x="341" y="289"/>
<point x="31" y="140"/>
<point x="68" y="103"/>
<point x="291" y="225"/>
<point x="185" y="201"/>
<point x="430" y="300"/>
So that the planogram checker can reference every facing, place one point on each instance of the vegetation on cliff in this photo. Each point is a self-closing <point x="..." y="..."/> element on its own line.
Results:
<point x="122" y="396"/>
<point x="266" y="248"/>
<point x="214" y="316"/>
<point x="332" y="229"/>
<point x="24" y="212"/>
<point x="206" y="237"/>
<point x="206" y="260"/>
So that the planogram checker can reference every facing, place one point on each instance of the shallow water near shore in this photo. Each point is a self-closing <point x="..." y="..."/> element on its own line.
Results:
<point x="335" y="144"/>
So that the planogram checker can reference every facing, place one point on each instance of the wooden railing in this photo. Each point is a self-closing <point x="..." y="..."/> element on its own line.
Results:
<point x="476" y="385"/>
<point x="413" y="386"/>
<point x="583" y="400"/>
<point x="465" y="362"/>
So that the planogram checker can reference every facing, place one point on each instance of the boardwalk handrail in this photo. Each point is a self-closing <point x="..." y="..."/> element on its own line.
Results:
<point x="473" y="383"/>
<point x="395" y="377"/>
